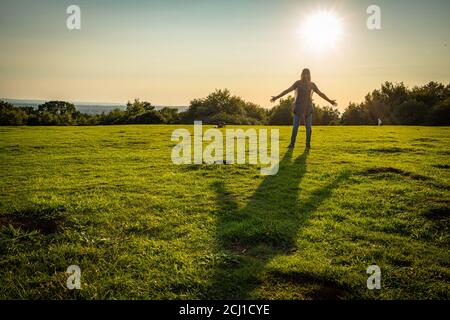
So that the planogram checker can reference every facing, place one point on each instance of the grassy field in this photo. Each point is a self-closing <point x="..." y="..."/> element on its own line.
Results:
<point x="110" y="200"/>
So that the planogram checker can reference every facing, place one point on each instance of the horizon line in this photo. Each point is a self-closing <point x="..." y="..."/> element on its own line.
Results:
<point x="81" y="103"/>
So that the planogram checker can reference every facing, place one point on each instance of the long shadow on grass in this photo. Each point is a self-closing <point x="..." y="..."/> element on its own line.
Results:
<point x="266" y="227"/>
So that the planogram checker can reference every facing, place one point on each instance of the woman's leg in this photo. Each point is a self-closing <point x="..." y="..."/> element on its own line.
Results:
<point x="295" y="129"/>
<point x="308" y="125"/>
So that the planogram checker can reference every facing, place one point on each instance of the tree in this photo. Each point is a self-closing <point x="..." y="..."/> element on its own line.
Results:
<point x="148" y="117"/>
<point x="431" y="93"/>
<point x="440" y="113"/>
<point x="115" y="116"/>
<point x="57" y="113"/>
<point x="57" y="108"/>
<point x="355" y="114"/>
<point x="396" y="104"/>
<point x="326" y="116"/>
<point x="410" y="112"/>
<point x="381" y="103"/>
<point x="282" y="114"/>
<point x="137" y="107"/>
<point x="142" y="112"/>
<point x="221" y="106"/>
<point x="169" y="115"/>
<point x="11" y="115"/>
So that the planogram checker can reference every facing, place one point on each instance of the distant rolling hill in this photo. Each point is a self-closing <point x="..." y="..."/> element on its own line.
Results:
<point x="83" y="107"/>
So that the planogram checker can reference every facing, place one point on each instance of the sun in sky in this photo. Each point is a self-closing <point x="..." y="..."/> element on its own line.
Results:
<point x="321" y="30"/>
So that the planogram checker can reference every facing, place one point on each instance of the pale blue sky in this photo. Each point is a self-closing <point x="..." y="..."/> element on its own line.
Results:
<point x="169" y="52"/>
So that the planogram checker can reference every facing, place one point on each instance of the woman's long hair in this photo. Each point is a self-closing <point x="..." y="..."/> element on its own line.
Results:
<point x="306" y="75"/>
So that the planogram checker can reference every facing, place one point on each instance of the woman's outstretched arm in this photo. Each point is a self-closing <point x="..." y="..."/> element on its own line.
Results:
<point x="285" y="92"/>
<point x="323" y="96"/>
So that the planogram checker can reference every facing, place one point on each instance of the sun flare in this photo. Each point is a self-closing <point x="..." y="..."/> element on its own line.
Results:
<point x="322" y="30"/>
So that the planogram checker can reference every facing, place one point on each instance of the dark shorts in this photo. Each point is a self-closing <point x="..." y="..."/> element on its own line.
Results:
<point x="302" y="108"/>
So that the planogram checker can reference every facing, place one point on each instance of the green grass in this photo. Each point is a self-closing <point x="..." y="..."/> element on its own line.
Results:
<point x="110" y="200"/>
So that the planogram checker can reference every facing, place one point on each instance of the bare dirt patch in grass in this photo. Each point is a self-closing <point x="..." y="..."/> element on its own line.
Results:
<point x="316" y="288"/>
<point x="441" y="166"/>
<point x="43" y="226"/>
<point x="438" y="213"/>
<point x="424" y="140"/>
<point x="388" y="150"/>
<point x="391" y="170"/>
<point x="45" y="220"/>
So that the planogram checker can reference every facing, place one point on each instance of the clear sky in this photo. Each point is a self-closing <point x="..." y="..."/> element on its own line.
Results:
<point x="169" y="52"/>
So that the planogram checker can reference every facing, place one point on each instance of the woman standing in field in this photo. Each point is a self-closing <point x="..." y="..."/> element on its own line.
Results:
<point x="304" y="89"/>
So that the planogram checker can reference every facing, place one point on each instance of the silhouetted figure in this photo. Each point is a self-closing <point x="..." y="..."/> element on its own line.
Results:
<point x="304" y="89"/>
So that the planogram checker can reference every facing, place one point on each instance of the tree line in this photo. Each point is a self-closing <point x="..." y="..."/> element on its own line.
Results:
<point x="394" y="104"/>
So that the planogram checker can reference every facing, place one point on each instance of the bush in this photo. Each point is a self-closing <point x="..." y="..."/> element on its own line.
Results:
<point x="440" y="114"/>
<point x="282" y="114"/>
<point x="410" y="112"/>
<point x="11" y="115"/>
<point x="326" y="116"/>
<point x="396" y="104"/>
<point x="221" y="106"/>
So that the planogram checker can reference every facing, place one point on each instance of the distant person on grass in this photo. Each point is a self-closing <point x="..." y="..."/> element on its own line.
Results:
<point x="303" y="108"/>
